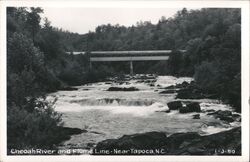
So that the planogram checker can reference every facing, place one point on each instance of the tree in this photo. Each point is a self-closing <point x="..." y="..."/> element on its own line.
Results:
<point x="22" y="54"/>
<point x="31" y="120"/>
<point x="33" y="21"/>
<point x="175" y="62"/>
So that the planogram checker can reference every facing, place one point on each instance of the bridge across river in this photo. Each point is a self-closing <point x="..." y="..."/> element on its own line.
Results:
<point x="131" y="56"/>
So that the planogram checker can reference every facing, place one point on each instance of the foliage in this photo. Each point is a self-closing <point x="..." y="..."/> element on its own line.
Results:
<point x="207" y="76"/>
<point x="31" y="120"/>
<point x="32" y="129"/>
<point x="22" y="53"/>
<point x="175" y="63"/>
<point x="33" y="21"/>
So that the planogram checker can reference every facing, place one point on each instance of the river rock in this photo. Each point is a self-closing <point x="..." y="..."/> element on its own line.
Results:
<point x="193" y="91"/>
<point x="145" y="77"/>
<point x="210" y="110"/>
<point x="225" y="115"/>
<point x="170" y="87"/>
<point x="147" y="81"/>
<point x="139" y="81"/>
<point x="168" y="91"/>
<point x="194" y="106"/>
<point x="167" y="111"/>
<point x="191" y="107"/>
<point x="122" y="89"/>
<point x="152" y="85"/>
<point x="189" y="91"/>
<point x="196" y="116"/>
<point x="227" y="119"/>
<point x="189" y="143"/>
<point x="148" y="140"/>
<point x="182" y="85"/>
<point x="236" y="115"/>
<point x="175" y="105"/>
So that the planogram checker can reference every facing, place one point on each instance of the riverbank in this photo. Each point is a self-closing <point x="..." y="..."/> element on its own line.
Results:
<point x="159" y="143"/>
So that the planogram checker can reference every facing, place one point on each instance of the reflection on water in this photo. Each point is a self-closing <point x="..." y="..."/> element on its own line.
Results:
<point x="111" y="114"/>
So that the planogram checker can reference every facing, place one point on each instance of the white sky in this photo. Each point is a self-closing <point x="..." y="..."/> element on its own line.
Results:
<point x="82" y="20"/>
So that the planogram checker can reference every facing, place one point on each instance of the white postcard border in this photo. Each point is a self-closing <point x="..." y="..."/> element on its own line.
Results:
<point x="244" y="5"/>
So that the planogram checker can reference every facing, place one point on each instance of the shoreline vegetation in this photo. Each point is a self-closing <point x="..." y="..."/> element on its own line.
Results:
<point x="37" y="64"/>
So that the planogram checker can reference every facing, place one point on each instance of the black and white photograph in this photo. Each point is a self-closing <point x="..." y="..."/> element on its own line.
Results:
<point x="125" y="80"/>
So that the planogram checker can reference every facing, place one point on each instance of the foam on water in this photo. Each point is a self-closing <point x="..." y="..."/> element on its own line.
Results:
<point x="215" y="106"/>
<point x="207" y="130"/>
<point x="139" y="111"/>
<point x="166" y="81"/>
<point x="213" y="129"/>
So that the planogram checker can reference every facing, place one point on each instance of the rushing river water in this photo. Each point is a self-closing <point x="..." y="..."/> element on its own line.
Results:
<point x="112" y="114"/>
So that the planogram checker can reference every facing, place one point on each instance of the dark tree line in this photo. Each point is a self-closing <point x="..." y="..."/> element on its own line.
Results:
<point x="37" y="62"/>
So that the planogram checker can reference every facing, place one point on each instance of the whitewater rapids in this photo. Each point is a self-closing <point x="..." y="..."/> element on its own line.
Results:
<point x="112" y="114"/>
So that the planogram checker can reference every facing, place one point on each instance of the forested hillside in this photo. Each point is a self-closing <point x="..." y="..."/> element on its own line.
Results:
<point x="212" y="38"/>
<point x="37" y="62"/>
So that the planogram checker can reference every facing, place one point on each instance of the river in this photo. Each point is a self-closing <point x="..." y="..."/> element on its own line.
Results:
<point x="112" y="114"/>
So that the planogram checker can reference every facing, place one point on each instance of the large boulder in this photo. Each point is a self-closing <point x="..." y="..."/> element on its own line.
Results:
<point x="189" y="143"/>
<point x="191" y="107"/>
<point x="227" y="119"/>
<point x="183" y="110"/>
<point x="149" y="140"/>
<point x="225" y="115"/>
<point x="194" y="107"/>
<point x="175" y="105"/>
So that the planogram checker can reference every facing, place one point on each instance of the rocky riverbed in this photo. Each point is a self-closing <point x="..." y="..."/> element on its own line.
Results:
<point x="148" y="107"/>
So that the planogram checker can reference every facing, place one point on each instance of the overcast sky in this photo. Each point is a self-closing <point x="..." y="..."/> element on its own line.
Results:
<point x="82" y="20"/>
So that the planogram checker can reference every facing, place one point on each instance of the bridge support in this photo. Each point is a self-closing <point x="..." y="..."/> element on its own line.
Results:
<point x="131" y="68"/>
<point x="90" y="65"/>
